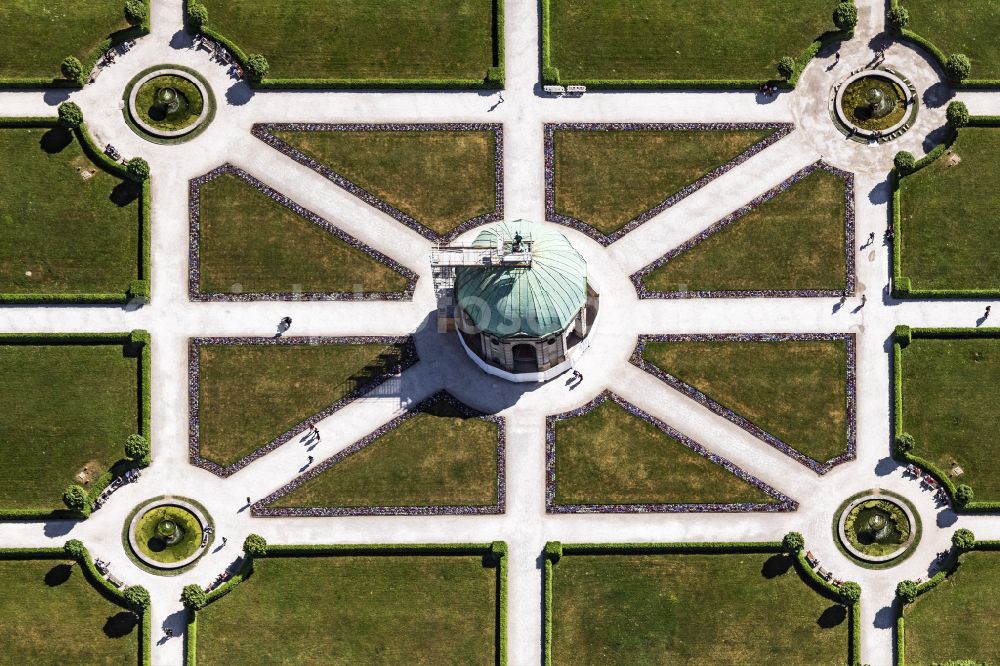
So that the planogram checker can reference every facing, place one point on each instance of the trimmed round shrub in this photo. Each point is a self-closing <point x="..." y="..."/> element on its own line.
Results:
<point x="70" y="115"/>
<point x="136" y="448"/>
<point x="958" y="67"/>
<point x="137" y="597"/>
<point x="905" y="163"/>
<point x="197" y="14"/>
<point x="72" y="69"/>
<point x="963" y="495"/>
<point x="135" y="11"/>
<point x="786" y="67"/>
<point x="793" y="542"/>
<point x="194" y="596"/>
<point x="958" y="114"/>
<point x="963" y="540"/>
<point x="845" y="16"/>
<point x="898" y="17"/>
<point x="255" y="545"/>
<point x="137" y="169"/>
<point x="75" y="498"/>
<point x="851" y="592"/>
<point x="907" y="591"/>
<point x="75" y="549"/>
<point x="257" y="67"/>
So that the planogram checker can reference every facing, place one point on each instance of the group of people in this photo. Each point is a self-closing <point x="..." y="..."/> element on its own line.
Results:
<point x="768" y="89"/>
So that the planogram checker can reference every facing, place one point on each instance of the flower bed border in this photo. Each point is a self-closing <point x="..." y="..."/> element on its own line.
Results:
<point x="781" y="131"/>
<point x="194" y="250"/>
<point x="738" y="214"/>
<point x="409" y="357"/>
<point x="784" y="503"/>
<point x="264" y="132"/>
<point x="260" y="507"/>
<point x="743" y="422"/>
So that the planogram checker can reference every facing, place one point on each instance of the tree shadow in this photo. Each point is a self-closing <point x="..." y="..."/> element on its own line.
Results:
<point x="58" y="574"/>
<point x="125" y="193"/>
<point x="885" y="617"/>
<point x="880" y="42"/>
<point x="181" y="40"/>
<point x="55" y="96"/>
<point x="55" y="140"/>
<point x="946" y="518"/>
<point x="120" y="624"/>
<point x="880" y="193"/>
<point x="832" y="616"/>
<point x="776" y="565"/>
<point x="885" y="466"/>
<point x="937" y="95"/>
<point x="56" y="528"/>
<point x="239" y="94"/>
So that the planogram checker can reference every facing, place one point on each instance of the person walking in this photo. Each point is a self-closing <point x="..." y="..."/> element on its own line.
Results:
<point x="248" y="501"/>
<point x="310" y="461"/>
<point x="987" y="313"/>
<point x="224" y="541"/>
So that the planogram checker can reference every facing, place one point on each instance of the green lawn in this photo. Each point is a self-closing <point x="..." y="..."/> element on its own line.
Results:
<point x="67" y="411"/>
<point x="356" y="609"/>
<point x="692" y="609"/>
<point x="948" y="216"/>
<point x="38" y="34"/>
<point x="793" y="242"/>
<point x="951" y="388"/>
<point x="609" y="456"/>
<point x="968" y="27"/>
<point x="251" y="394"/>
<point x="51" y="615"/>
<point x="672" y="39"/>
<point x="439" y="178"/>
<point x="436" y="458"/>
<point x="248" y="239"/>
<point x="958" y="618"/>
<point x="795" y="390"/>
<point x="362" y="39"/>
<point x="607" y="178"/>
<point x="63" y="234"/>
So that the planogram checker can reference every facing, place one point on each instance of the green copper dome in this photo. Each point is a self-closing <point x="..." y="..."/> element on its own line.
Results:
<point x="517" y="301"/>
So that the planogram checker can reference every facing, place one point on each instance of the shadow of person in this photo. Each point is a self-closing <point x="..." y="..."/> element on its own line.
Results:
<point x="120" y="624"/>
<point x="125" y="193"/>
<point x="832" y="616"/>
<point x="776" y="565"/>
<point x="58" y="574"/>
<point x="55" y="140"/>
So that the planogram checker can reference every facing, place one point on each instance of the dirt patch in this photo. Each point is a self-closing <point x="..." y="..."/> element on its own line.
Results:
<point x="90" y="471"/>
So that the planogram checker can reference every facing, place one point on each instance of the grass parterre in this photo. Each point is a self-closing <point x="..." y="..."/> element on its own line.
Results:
<point x="968" y="27"/>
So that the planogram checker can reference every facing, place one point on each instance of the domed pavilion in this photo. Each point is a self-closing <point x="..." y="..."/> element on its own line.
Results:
<point x="522" y="301"/>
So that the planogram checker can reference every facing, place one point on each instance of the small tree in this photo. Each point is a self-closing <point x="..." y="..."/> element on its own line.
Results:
<point x="793" y="542"/>
<point x="958" y="67"/>
<point x="75" y="549"/>
<point x="963" y="495"/>
<point x="197" y="14"/>
<point x="851" y="592"/>
<point x="75" y="498"/>
<point x="137" y="448"/>
<point x="257" y="67"/>
<point x="255" y="545"/>
<point x="963" y="540"/>
<point x="786" y="67"/>
<point x="907" y="591"/>
<point x="135" y="11"/>
<point x="193" y="596"/>
<point x="72" y="69"/>
<point x="137" y="597"/>
<point x="845" y="16"/>
<point x="898" y="17"/>
<point x="905" y="163"/>
<point x="958" y="114"/>
<point x="137" y="169"/>
<point x="70" y="115"/>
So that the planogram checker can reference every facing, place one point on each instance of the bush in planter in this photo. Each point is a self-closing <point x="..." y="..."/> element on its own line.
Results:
<point x="75" y="549"/>
<point x="845" y="16"/>
<point x="963" y="495"/>
<point x="193" y="596"/>
<point x="898" y="17"/>
<point x="75" y="498"/>
<point x="851" y="592"/>
<point x="70" y="115"/>
<point x="786" y="67"/>
<point x="958" y="67"/>
<point x="907" y="591"/>
<point x="197" y="14"/>
<point x="137" y="448"/>
<point x="135" y="11"/>
<point x="958" y="114"/>
<point x="72" y="69"/>
<point x="137" y="597"/>
<point x="257" y="67"/>
<point x="138" y="169"/>
<point x="963" y="540"/>
<point x="905" y="163"/>
<point x="793" y="542"/>
<point x="255" y="545"/>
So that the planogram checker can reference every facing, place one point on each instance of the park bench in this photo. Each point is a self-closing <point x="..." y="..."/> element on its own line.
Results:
<point x="576" y="90"/>
<point x="558" y="91"/>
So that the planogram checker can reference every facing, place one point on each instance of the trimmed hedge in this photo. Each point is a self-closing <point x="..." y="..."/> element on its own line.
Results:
<point x="136" y="289"/>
